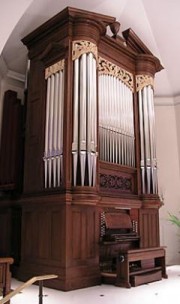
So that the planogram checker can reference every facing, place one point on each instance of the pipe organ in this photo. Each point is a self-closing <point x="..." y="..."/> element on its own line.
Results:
<point x="90" y="194"/>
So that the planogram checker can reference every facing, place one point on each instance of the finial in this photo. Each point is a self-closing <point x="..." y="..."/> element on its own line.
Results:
<point x="115" y="26"/>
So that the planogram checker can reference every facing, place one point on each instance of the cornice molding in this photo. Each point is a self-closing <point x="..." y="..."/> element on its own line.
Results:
<point x="167" y="101"/>
<point x="3" y="67"/>
<point x="16" y="76"/>
<point x="9" y="74"/>
<point x="177" y="100"/>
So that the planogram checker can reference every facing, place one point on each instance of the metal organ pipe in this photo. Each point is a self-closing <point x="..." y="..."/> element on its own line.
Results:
<point x="59" y="155"/>
<point x="147" y="135"/>
<point x="116" y="116"/>
<point x="50" y="146"/>
<point x="146" y="139"/>
<point x="141" y="125"/>
<point x="53" y="151"/>
<point x="55" y="121"/>
<point x="153" y="145"/>
<point x="92" y="118"/>
<point x="82" y="125"/>
<point x="94" y="122"/>
<point x="75" y="119"/>
<point x="152" y="140"/>
<point x="84" y="144"/>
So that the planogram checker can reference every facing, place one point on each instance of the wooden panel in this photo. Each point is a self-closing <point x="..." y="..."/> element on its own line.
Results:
<point x="30" y="233"/>
<point x="149" y="228"/>
<point x="43" y="238"/>
<point x="34" y="146"/>
<point x="57" y="235"/>
<point x="43" y="234"/>
<point x="11" y="143"/>
<point x="76" y="234"/>
<point x="5" y="235"/>
<point x="1" y="274"/>
<point x="16" y="235"/>
<point x="137" y="280"/>
<point x="91" y="235"/>
<point x="84" y="233"/>
<point x="116" y="179"/>
<point x="34" y="109"/>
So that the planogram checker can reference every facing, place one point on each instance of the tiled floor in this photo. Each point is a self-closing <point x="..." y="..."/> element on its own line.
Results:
<point x="166" y="291"/>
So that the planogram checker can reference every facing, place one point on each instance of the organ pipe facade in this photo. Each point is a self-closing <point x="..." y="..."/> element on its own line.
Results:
<point x="84" y="142"/>
<point x="53" y="151"/>
<point x="147" y="134"/>
<point x="116" y="114"/>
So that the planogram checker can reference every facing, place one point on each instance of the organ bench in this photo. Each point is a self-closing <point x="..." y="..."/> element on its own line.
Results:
<point x="138" y="266"/>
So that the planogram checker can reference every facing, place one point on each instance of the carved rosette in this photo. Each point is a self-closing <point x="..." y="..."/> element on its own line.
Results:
<point x="143" y="81"/>
<point x="114" y="182"/>
<point x="108" y="68"/>
<point x="81" y="47"/>
<point x="53" y="69"/>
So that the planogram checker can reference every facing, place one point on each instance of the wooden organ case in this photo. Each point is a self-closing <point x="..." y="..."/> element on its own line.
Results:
<point x="90" y="176"/>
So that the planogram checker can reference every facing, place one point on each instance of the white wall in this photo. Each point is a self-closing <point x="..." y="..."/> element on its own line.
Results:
<point x="168" y="174"/>
<point x="177" y="112"/>
<point x="8" y="21"/>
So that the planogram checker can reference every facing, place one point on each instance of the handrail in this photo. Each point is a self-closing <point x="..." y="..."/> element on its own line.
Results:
<point x="27" y="284"/>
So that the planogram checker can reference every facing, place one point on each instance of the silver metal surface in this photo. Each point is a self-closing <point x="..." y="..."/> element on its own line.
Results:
<point x="53" y="150"/>
<point x="84" y="143"/>
<point x="116" y="121"/>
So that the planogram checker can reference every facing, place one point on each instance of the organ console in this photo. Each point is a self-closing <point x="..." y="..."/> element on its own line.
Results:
<point x="90" y="195"/>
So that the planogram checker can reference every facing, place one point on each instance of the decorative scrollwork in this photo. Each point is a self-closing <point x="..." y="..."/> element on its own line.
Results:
<point x="143" y="81"/>
<point x="115" y="182"/>
<point x="53" y="69"/>
<point x="108" y="68"/>
<point x="80" y="47"/>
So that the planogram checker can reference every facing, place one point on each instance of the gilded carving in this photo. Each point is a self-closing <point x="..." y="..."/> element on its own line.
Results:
<point x="108" y="68"/>
<point x="53" y="69"/>
<point x="81" y="47"/>
<point x="143" y="81"/>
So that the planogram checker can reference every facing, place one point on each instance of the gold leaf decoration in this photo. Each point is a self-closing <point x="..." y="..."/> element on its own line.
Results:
<point x="53" y="69"/>
<point x="143" y="81"/>
<point x="108" y="68"/>
<point x="81" y="47"/>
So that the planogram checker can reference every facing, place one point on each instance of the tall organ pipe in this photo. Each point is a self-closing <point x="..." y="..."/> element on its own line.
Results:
<point x="141" y="125"/>
<point x="75" y="120"/>
<point x="84" y="143"/>
<point x="53" y="150"/>
<point x="60" y="129"/>
<point x="147" y="139"/>
<point x="154" y="161"/>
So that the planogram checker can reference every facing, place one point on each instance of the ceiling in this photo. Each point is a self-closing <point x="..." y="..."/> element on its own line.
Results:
<point x="156" y="22"/>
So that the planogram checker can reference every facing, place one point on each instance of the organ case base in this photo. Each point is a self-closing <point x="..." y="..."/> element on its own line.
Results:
<point x="60" y="238"/>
